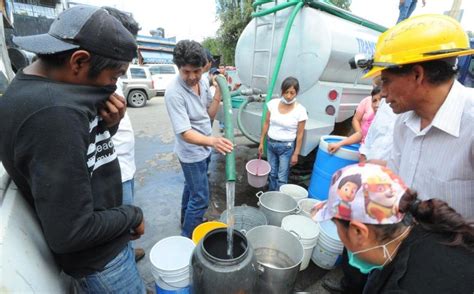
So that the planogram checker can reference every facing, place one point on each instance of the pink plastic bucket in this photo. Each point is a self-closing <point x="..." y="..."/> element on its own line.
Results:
<point x="257" y="172"/>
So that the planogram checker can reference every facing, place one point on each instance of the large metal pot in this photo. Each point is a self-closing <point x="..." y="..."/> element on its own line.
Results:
<point x="276" y="205"/>
<point x="213" y="272"/>
<point x="279" y="254"/>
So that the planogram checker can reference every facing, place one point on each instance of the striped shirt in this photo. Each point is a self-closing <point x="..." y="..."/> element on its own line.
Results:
<point x="438" y="161"/>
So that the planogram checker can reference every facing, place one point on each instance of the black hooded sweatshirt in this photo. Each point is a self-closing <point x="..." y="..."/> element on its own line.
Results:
<point x="60" y="154"/>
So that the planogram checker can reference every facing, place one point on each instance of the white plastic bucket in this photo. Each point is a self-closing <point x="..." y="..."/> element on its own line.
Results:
<point x="306" y="230"/>
<point x="170" y="259"/>
<point x="295" y="191"/>
<point x="305" y="206"/>
<point x="329" y="247"/>
<point x="257" y="172"/>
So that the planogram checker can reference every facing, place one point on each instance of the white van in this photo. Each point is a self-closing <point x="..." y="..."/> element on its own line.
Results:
<point x="162" y="75"/>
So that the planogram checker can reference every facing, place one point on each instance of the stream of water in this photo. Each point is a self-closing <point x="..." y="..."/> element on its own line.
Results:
<point x="230" y="198"/>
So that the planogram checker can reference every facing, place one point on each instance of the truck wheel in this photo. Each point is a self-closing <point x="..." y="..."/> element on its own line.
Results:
<point x="137" y="98"/>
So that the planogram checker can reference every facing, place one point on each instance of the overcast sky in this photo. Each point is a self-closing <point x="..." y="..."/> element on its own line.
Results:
<point x="196" y="19"/>
<point x="185" y="19"/>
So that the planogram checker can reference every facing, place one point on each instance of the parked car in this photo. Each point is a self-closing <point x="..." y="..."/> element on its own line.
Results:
<point x="138" y="86"/>
<point x="162" y="75"/>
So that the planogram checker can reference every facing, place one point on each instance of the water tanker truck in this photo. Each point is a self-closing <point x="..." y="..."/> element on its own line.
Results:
<point x="312" y="41"/>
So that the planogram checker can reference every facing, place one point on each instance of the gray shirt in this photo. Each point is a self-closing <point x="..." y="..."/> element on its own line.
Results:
<point x="189" y="111"/>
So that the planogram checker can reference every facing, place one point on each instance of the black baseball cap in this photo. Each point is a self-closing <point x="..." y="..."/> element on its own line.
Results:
<point x="88" y="27"/>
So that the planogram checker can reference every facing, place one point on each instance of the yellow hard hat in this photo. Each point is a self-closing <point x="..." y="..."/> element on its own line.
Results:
<point x="419" y="39"/>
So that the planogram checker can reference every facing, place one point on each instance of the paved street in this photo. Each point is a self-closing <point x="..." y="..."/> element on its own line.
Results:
<point x="158" y="178"/>
<point x="159" y="183"/>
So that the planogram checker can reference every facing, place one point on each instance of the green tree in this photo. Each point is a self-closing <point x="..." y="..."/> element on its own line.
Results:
<point x="234" y="16"/>
<point x="212" y="44"/>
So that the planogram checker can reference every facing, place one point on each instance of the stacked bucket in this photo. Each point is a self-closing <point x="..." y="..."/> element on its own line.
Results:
<point x="306" y="231"/>
<point x="320" y="241"/>
<point x="328" y="249"/>
<point x="170" y="259"/>
<point x="298" y="193"/>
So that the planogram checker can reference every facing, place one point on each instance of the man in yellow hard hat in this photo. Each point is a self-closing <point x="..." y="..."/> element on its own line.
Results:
<point x="433" y="143"/>
<point x="433" y="134"/>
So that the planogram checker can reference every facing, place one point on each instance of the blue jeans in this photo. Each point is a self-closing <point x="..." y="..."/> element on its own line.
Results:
<point x="279" y="155"/>
<point x="406" y="9"/>
<point x="195" y="198"/>
<point x="128" y="192"/>
<point x="120" y="275"/>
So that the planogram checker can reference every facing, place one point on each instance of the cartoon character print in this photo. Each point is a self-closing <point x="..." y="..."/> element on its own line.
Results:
<point x="346" y="190"/>
<point x="380" y="198"/>
<point x="394" y="177"/>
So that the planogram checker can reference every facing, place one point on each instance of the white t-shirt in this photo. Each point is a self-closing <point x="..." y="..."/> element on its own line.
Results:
<point x="124" y="143"/>
<point x="283" y="127"/>
<point x="379" y="140"/>
<point x="213" y="90"/>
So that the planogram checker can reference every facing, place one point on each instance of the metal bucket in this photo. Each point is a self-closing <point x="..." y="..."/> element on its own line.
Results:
<point x="279" y="254"/>
<point x="305" y="206"/>
<point x="276" y="205"/>
<point x="245" y="218"/>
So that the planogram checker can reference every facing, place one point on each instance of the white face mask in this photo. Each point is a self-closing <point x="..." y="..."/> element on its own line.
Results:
<point x="284" y="101"/>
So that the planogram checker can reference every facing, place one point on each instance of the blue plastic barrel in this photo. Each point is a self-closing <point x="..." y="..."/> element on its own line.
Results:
<point x="326" y="164"/>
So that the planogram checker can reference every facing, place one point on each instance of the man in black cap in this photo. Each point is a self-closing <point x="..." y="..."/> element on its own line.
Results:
<point x="56" y="122"/>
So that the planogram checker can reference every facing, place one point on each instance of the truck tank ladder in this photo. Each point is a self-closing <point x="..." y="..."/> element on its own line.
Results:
<point x="259" y="24"/>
